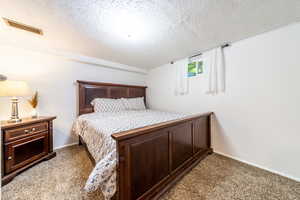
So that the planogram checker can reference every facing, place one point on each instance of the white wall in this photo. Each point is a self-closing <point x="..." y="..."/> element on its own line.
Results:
<point x="54" y="78"/>
<point x="258" y="117"/>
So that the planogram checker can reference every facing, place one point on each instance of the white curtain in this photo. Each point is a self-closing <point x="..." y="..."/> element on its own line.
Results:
<point x="215" y="65"/>
<point x="181" y="85"/>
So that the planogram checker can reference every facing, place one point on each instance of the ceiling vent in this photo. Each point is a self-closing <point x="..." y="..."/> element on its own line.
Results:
<point x="24" y="27"/>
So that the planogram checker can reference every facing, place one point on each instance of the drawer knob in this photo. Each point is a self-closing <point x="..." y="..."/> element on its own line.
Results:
<point x="9" y="158"/>
<point x="33" y="129"/>
<point x="26" y="131"/>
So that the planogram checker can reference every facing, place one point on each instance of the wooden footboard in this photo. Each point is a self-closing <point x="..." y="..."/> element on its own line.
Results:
<point x="153" y="158"/>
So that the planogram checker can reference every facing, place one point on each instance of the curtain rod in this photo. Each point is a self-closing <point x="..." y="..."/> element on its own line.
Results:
<point x="222" y="46"/>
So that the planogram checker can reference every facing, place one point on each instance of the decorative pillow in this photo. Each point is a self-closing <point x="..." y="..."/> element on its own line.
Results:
<point x="134" y="103"/>
<point x="107" y="105"/>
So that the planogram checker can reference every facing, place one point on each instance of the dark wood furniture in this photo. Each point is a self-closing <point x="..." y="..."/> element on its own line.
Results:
<point x="25" y="144"/>
<point x="153" y="158"/>
<point x="91" y="90"/>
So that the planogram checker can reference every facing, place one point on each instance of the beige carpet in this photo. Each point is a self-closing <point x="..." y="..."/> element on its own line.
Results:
<point x="215" y="178"/>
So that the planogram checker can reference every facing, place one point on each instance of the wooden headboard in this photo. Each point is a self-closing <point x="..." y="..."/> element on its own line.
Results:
<point x="91" y="90"/>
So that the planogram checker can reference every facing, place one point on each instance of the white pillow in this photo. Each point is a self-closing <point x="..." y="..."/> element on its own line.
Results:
<point x="134" y="103"/>
<point x="108" y="105"/>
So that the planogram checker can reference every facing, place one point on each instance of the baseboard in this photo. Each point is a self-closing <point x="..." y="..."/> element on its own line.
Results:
<point x="64" y="146"/>
<point x="258" y="166"/>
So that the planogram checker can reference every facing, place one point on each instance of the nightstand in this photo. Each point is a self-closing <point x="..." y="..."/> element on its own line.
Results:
<point x="24" y="144"/>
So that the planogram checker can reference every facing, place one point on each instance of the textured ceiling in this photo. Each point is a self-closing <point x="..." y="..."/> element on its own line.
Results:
<point x="145" y="33"/>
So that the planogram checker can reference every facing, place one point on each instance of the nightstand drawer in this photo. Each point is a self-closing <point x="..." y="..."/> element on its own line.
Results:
<point x="17" y="133"/>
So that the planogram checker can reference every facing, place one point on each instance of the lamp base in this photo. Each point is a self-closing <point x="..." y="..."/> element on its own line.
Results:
<point x="14" y="120"/>
<point x="14" y="111"/>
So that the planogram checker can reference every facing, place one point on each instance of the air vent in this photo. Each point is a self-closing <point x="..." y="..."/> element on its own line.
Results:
<point x="24" y="27"/>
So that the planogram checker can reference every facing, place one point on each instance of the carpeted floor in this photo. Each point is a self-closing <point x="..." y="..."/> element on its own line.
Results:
<point x="215" y="178"/>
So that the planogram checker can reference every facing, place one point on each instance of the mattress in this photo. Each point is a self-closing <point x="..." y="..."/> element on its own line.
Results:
<point x="96" y="130"/>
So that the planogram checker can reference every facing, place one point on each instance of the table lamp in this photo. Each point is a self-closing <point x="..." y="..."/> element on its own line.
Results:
<point x="14" y="89"/>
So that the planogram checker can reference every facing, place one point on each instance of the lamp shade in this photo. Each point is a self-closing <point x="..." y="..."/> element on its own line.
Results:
<point x="14" y="89"/>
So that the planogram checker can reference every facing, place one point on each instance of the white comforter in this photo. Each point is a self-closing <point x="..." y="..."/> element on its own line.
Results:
<point x="96" y="130"/>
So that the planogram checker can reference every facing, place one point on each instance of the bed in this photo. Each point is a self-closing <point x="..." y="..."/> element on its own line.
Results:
<point x="149" y="151"/>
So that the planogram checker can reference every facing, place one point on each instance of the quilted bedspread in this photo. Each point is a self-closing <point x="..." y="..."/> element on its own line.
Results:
<point x="96" y="130"/>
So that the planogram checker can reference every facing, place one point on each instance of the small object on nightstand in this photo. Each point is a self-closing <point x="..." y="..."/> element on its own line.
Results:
<point x="34" y="102"/>
<point x="24" y="144"/>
